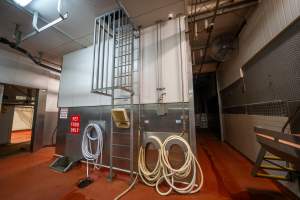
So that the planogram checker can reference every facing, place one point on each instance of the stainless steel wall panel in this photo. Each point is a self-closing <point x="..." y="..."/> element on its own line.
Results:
<point x="1" y="95"/>
<point x="39" y="120"/>
<point x="70" y="145"/>
<point x="50" y="128"/>
<point x="6" y="120"/>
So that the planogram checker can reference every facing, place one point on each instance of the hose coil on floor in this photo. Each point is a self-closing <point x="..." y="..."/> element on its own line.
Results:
<point x="87" y="146"/>
<point x="172" y="175"/>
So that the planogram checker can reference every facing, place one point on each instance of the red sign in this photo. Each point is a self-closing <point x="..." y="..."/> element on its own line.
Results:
<point x="75" y="124"/>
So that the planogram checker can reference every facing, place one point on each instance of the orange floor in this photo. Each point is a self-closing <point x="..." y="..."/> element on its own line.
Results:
<point x="20" y="136"/>
<point x="227" y="176"/>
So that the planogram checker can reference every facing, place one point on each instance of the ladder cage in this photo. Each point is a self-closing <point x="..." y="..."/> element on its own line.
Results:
<point x="113" y="56"/>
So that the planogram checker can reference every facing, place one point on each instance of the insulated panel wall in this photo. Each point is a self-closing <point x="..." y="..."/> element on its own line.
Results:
<point x="76" y="81"/>
<point x="265" y="23"/>
<point x="76" y="78"/>
<point x="171" y="75"/>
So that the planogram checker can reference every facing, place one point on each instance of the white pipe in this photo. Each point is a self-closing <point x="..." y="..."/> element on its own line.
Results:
<point x="54" y="22"/>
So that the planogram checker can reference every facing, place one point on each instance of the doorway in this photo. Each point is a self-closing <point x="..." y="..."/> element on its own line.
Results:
<point x="207" y="119"/>
<point x="17" y="112"/>
<point x="22" y="124"/>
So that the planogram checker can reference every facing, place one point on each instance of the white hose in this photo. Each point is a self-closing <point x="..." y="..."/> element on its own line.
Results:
<point x="163" y="170"/>
<point x="172" y="175"/>
<point x="150" y="177"/>
<point x="87" y="146"/>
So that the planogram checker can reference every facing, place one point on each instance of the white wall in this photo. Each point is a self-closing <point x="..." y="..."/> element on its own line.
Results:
<point x="171" y="69"/>
<point x="267" y="21"/>
<point x="76" y="78"/>
<point x="23" y="117"/>
<point x="19" y="70"/>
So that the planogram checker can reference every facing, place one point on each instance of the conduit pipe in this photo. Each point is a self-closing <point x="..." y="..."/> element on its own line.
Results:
<point x="28" y="54"/>
<point x="209" y="34"/>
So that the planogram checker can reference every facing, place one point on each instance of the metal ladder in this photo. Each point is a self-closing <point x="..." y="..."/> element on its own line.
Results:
<point x="122" y="81"/>
<point x="114" y="57"/>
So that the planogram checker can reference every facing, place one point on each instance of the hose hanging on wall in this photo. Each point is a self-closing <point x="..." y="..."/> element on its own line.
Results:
<point x="171" y="175"/>
<point x="150" y="177"/>
<point x="92" y="133"/>
<point x="163" y="170"/>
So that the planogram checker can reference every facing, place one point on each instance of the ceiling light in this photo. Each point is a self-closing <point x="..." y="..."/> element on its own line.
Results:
<point x="23" y="3"/>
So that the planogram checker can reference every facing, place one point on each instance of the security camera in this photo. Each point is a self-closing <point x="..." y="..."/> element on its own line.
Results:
<point x="170" y="16"/>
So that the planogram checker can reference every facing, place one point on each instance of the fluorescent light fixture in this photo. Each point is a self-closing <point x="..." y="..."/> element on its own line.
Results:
<point x="22" y="3"/>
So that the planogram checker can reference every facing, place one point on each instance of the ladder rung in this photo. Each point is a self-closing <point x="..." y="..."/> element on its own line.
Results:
<point x="125" y="65"/>
<point x="121" y="145"/>
<point x="123" y="76"/>
<point x="277" y="177"/>
<point x="121" y="133"/>
<point x="122" y="98"/>
<point x="271" y="167"/>
<point x="272" y="158"/>
<point x="122" y="158"/>
<point x="122" y="55"/>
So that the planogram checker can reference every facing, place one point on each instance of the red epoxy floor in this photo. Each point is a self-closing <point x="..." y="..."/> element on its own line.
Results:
<point x="227" y="176"/>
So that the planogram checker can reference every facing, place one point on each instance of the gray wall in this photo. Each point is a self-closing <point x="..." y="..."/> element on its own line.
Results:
<point x="6" y="119"/>
<point x="266" y="95"/>
<point x="267" y="21"/>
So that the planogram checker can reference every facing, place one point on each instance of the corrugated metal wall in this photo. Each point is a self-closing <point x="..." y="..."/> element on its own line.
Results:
<point x="266" y="22"/>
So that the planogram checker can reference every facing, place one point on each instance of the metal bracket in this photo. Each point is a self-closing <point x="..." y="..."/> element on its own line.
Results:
<point x="54" y="22"/>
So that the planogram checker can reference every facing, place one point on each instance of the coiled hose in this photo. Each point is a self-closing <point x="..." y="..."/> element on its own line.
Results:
<point x="87" y="145"/>
<point x="163" y="170"/>
<point x="170" y="174"/>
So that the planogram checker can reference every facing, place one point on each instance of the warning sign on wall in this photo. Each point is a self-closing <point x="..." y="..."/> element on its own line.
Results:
<point x="63" y="113"/>
<point x="75" y="124"/>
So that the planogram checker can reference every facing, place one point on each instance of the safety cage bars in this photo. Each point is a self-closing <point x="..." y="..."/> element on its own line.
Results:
<point x="113" y="55"/>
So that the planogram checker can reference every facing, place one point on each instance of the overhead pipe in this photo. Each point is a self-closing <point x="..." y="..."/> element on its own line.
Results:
<point x="48" y="25"/>
<point x="222" y="10"/>
<point x="25" y="52"/>
<point x="212" y="24"/>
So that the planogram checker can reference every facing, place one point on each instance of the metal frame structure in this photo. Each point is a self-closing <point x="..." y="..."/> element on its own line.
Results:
<point x="114" y="33"/>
